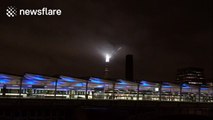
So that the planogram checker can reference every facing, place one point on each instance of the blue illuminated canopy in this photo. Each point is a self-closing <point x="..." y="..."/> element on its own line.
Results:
<point x="68" y="79"/>
<point x="80" y="84"/>
<point x="31" y="82"/>
<point x="3" y="76"/>
<point x="122" y="82"/>
<point x="34" y="77"/>
<point x="166" y="85"/>
<point x="145" y="83"/>
<point x="185" y="85"/>
<point x="96" y="80"/>
<point x="4" y="79"/>
<point x="204" y="88"/>
<point x="58" y="83"/>
<point x="120" y="87"/>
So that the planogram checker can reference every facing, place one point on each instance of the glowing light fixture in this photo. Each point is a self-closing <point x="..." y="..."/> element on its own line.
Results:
<point x="107" y="58"/>
<point x="156" y="89"/>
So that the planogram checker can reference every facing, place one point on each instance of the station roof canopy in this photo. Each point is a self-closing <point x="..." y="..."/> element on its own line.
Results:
<point x="9" y="79"/>
<point x="188" y="86"/>
<point x="169" y="85"/>
<point x="70" y="79"/>
<point x="36" y="79"/>
<point x="66" y="81"/>
<point x="125" y="82"/>
<point x="144" y="83"/>
<point x="99" y="81"/>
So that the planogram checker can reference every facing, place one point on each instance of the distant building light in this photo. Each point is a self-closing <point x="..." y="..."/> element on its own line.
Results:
<point x="195" y="83"/>
<point x="156" y="89"/>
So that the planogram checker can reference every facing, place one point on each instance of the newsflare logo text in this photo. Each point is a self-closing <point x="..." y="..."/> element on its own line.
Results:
<point x="12" y="11"/>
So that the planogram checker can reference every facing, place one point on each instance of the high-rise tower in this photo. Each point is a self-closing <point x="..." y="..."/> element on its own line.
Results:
<point x="129" y="68"/>
<point x="191" y="75"/>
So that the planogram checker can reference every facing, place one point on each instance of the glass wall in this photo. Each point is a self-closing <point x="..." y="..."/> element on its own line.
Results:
<point x="38" y="86"/>
<point x="189" y="93"/>
<point x="100" y="88"/>
<point x="148" y="91"/>
<point x="170" y="92"/>
<point x="71" y="88"/>
<point x="206" y="93"/>
<point x="125" y="90"/>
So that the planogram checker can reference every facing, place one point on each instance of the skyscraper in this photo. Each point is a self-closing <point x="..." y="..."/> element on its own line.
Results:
<point x="191" y="75"/>
<point x="129" y="68"/>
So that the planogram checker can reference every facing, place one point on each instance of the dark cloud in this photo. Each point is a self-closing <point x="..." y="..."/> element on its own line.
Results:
<point x="162" y="36"/>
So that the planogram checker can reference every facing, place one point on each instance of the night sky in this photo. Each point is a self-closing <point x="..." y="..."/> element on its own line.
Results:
<point x="163" y="35"/>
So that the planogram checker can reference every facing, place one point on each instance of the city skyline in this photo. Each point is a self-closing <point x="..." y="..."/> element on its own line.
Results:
<point x="163" y="36"/>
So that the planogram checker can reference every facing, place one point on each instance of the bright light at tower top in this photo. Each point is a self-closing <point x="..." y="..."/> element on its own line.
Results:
<point x="107" y="57"/>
